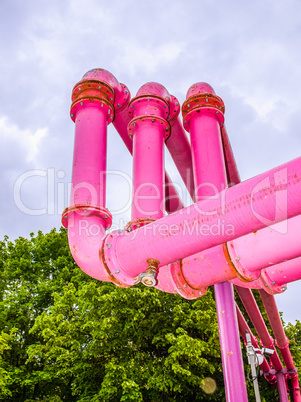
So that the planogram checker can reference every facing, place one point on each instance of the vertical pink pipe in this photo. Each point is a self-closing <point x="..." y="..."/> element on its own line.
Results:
<point x="86" y="218"/>
<point x="172" y="200"/>
<point x="148" y="171"/>
<point x="89" y="161"/>
<point x="210" y="180"/>
<point x="148" y="128"/>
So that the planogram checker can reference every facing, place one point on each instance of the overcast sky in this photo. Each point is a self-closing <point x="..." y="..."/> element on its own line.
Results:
<point x="249" y="51"/>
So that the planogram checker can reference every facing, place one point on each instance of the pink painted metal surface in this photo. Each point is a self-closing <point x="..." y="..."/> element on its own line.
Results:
<point x="234" y="378"/>
<point x="240" y="207"/>
<point x="204" y="127"/>
<point x="249" y="232"/>
<point x="289" y="271"/>
<point x="148" y="128"/>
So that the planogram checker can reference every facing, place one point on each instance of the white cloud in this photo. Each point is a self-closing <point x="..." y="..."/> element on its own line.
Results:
<point x="141" y="56"/>
<point x="30" y="141"/>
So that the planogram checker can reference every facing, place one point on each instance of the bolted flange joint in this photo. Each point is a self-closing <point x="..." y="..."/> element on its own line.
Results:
<point x="201" y="98"/>
<point x="181" y="284"/>
<point x="271" y="287"/>
<point x="92" y="93"/>
<point x="121" y="93"/>
<point x="137" y="223"/>
<point x="85" y="210"/>
<point x="236" y="265"/>
<point x="100" y="89"/>
<point x="151" y="105"/>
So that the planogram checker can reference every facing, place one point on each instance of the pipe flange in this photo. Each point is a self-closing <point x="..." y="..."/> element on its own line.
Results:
<point x="122" y="98"/>
<point x="271" y="287"/>
<point x="287" y="342"/>
<point x="174" y="109"/>
<point x="93" y="102"/>
<point x="198" y="103"/>
<point x="182" y="286"/>
<point x="92" y="88"/>
<point x="85" y="210"/>
<point x="107" y="254"/>
<point x="156" y="121"/>
<point x="137" y="223"/>
<point x="155" y="105"/>
<point x="233" y="260"/>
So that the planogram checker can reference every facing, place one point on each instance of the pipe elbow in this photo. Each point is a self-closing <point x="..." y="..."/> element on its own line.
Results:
<point x="199" y="88"/>
<point x="121" y="92"/>
<point x="85" y="236"/>
<point x="156" y="90"/>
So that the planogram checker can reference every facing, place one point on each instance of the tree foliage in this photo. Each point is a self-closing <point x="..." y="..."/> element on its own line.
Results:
<point x="67" y="337"/>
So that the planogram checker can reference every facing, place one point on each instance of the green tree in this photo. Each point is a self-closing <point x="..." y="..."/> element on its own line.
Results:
<point x="67" y="337"/>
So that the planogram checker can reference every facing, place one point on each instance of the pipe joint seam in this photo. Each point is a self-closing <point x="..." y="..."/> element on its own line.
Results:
<point x="181" y="284"/>
<point x="271" y="287"/>
<point x="234" y="262"/>
<point x="92" y="93"/>
<point x="202" y="103"/>
<point x="155" y="120"/>
<point x="84" y="211"/>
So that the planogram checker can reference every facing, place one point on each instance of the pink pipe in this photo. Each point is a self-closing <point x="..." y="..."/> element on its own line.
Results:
<point x="269" y="246"/>
<point x="148" y="171"/>
<point x="119" y="96"/>
<point x="281" y="340"/>
<point x="286" y="272"/>
<point x="206" y="140"/>
<point x="148" y="129"/>
<point x="86" y="218"/>
<point x="121" y="121"/>
<point x="240" y="207"/>
<point x="243" y="327"/>
<point x="212" y="177"/>
<point x="89" y="179"/>
<point x="233" y="371"/>
<point x="248" y="255"/>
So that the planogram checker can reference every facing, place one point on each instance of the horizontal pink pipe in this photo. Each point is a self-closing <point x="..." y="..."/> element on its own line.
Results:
<point x="289" y="271"/>
<point x="243" y="327"/>
<point x="179" y="148"/>
<point x="269" y="246"/>
<point x="89" y="160"/>
<point x="255" y="251"/>
<point x="248" y="300"/>
<point x="244" y="208"/>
